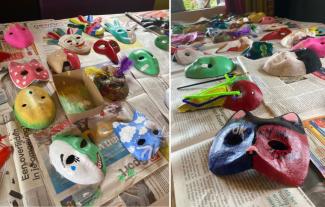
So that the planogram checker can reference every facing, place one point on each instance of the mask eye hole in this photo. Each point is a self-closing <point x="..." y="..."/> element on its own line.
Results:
<point x="119" y="30"/>
<point x="70" y="159"/>
<point x="83" y="143"/>
<point x="24" y="105"/>
<point x="141" y="142"/>
<point x="69" y="41"/>
<point x="187" y="54"/>
<point x="78" y="37"/>
<point x="11" y="33"/>
<point x="24" y="72"/>
<point x="39" y="69"/>
<point x="277" y="145"/>
<point x="155" y="131"/>
<point x="210" y="65"/>
<point x="322" y="43"/>
<point x="42" y="97"/>
<point x="141" y="58"/>
<point x="30" y="92"/>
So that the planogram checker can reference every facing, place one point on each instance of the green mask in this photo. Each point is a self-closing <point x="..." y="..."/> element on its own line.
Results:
<point x="209" y="67"/>
<point x="162" y="42"/>
<point x="77" y="159"/>
<point x="124" y="35"/>
<point x="145" y="62"/>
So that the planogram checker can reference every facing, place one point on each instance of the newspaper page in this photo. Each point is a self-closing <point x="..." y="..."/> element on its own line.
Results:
<point x="195" y="185"/>
<point x="28" y="172"/>
<point x="315" y="129"/>
<point x="283" y="95"/>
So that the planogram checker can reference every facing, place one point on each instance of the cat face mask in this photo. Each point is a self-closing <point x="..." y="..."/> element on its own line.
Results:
<point x="77" y="159"/>
<point x="72" y="41"/>
<point x="291" y="64"/>
<point x="18" y="36"/>
<point x="24" y="74"/>
<point x="277" y="148"/>
<point x="140" y="136"/>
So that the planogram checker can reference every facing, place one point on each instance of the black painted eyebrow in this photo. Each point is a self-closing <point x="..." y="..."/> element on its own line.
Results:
<point x="61" y="157"/>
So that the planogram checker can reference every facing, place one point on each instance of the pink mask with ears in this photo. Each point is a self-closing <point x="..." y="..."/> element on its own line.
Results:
<point x="24" y="74"/>
<point x="267" y="20"/>
<point x="315" y="44"/>
<point x="18" y="36"/>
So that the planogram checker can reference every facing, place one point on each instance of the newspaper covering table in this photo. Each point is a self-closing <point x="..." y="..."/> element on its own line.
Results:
<point x="128" y="182"/>
<point x="193" y="132"/>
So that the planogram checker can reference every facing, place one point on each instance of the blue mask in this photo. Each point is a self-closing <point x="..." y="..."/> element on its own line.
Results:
<point x="140" y="137"/>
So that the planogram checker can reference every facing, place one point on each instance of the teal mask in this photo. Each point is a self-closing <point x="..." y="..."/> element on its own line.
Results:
<point x="122" y="34"/>
<point x="209" y="67"/>
<point x="77" y="159"/>
<point x="162" y="42"/>
<point x="145" y="62"/>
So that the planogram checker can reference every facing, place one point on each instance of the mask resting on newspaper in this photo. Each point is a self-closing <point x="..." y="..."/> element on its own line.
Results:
<point x="18" y="36"/>
<point x="291" y="64"/>
<point x="140" y="136"/>
<point x="315" y="44"/>
<point x="77" y="159"/>
<point x="277" y="148"/>
<point x="234" y="94"/>
<point x="34" y="108"/>
<point x="24" y="74"/>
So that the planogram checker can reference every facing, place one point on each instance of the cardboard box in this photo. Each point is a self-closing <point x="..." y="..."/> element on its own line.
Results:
<point x="96" y="98"/>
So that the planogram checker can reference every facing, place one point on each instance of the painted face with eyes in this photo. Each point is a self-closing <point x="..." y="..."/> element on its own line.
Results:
<point x="77" y="159"/>
<point x="140" y="136"/>
<point x="75" y="43"/>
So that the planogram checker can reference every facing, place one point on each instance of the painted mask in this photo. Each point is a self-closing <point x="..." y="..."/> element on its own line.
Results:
<point x="72" y="41"/>
<point x="290" y="40"/>
<point x="5" y="152"/>
<point x="34" y="108"/>
<point x="259" y="50"/>
<point x="273" y="27"/>
<point x="24" y="74"/>
<point x="256" y="17"/>
<point x="145" y="62"/>
<point x="140" y="136"/>
<point x="182" y="39"/>
<point x="109" y="48"/>
<point x="75" y="43"/>
<point x="315" y="44"/>
<point x="267" y="20"/>
<point x="160" y="25"/>
<point x="318" y="31"/>
<point x="233" y="94"/>
<point x="277" y="148"/>
<point x="237" y="45"/>
<point x="77" y="159"/>
<point x="63" y="60"/>
<point x="291" y="64"/>
<point x="209" y="67"/>
<point x="187" y="55"/>
<point x="88" y="24"/>
<point x="4" y="56"/>
<point x="110" y="86"/>
<point x="18" y="36"/>
<point x="276" y="35"/>
<point x="162" y="42"/>
<point x="122" y="34"/>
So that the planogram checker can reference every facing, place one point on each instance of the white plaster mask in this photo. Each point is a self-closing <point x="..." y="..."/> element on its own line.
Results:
<point x="290" y="40"/>
<point x="75" y="43"/>
<point x="187" y="56"/>
<point x="284" y="64"/>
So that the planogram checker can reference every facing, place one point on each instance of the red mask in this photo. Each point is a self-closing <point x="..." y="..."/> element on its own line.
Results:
<point x="279" y="149"/>
<point x="109" y="48"/>
<point x="276" y="35"/>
